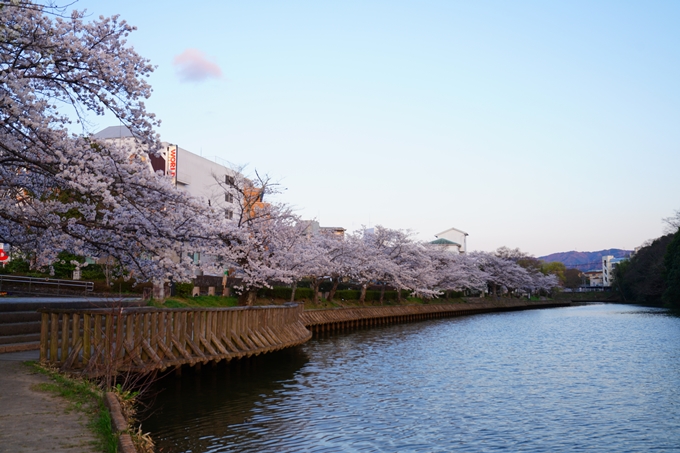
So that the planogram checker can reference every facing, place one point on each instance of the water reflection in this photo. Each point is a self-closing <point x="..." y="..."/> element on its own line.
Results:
<point x="588" y="378"/>
<point x="217" y="400"/>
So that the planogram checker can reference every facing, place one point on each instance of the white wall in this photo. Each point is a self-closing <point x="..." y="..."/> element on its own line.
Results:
<point x="197" y="175"/>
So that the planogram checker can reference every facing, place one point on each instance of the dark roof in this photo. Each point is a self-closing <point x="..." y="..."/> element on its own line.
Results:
<point x="442" y="241"/>
<point x="114" y="132"/>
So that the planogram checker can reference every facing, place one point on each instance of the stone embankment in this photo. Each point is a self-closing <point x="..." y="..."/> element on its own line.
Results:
<point x="347" y="318"/>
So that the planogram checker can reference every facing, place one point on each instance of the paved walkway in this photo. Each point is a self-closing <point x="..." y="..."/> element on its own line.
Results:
<point x="32" y="420"/>
<point x="55" y="299"/>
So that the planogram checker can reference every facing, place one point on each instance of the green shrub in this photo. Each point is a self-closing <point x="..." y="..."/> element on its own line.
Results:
<point x="16" y="266"/>
<point x="280" y="292"/>
<point x="283" y="292"/>
<point x="93" y="272"/>
<point x="183" y="289"/>
<point x="374" y="296"/>
<point x="304" y="293"/>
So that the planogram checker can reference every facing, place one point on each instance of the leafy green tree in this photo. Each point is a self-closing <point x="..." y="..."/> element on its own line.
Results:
<point x="555" y="268"/>
<point x="572" y="278"/>
<point x="671" y="295"/>
<point x="641" y="279"/>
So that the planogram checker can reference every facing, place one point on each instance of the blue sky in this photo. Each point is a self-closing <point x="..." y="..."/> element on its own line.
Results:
<point x="548" y="126"/>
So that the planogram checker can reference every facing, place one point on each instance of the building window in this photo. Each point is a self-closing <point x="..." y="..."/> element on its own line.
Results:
<point x="229" y="180"/>
<point x="230" y="214"/>
<point x="229" y="198"/>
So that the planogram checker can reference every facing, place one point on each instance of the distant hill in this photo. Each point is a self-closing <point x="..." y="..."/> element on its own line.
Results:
<point x="584" y="261"/>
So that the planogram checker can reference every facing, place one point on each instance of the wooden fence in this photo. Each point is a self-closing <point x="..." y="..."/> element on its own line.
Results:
<point x="319" y="321"/>
<point x="97" y="342"/>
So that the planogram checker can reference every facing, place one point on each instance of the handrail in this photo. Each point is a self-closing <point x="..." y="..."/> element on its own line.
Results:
<point x="48" y="282"/>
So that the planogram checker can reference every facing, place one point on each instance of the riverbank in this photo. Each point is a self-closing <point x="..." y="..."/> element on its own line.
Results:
<point x="325" y="320"/>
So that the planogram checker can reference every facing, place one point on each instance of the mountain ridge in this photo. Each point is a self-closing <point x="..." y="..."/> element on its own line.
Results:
<point x="584" y="261"/>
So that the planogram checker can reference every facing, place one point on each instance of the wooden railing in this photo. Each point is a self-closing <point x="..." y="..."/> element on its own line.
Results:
<point x="319" y="321"/>
<point x="97" y="342"/>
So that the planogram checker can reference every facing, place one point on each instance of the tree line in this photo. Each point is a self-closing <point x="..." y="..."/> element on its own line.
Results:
<point x="67" y="192"/>
<point x="652" y="274"/>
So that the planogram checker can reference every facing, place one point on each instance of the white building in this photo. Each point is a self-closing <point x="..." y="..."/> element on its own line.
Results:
<point x="609" y="264"/>
<point x="453" y="239"/>
<point x="197" y="175"/>
<point x="190" y="172"/>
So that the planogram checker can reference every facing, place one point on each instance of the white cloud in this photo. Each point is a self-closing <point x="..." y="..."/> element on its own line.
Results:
<point x="193" y="66"/>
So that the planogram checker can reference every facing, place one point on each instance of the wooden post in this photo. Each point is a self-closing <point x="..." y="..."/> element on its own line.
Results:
<point x="86" y="338"/>
<point x="44" y="335"/>
<point x="64" y="338"/>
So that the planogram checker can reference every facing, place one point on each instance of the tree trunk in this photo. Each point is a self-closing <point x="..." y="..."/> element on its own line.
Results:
<point x="315" y="290"/>
<point x="362" y="296"/>
<point x="292" y="292"/>
<point x="108" y="271"/>
<point x="382" y="293"/>
<point x="247" y="297"/>
<point x="399" y="295"/>
<point x="334" y="288"/>
<point x="158" y="290"/>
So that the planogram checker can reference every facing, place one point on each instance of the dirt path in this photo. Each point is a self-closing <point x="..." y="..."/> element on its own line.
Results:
<point x="35" y="421"/>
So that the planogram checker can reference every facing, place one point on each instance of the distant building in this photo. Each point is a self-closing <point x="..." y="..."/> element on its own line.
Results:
<point x="453" y="239"/>
<point x="594" y="277"/>
<point x="609" y="264"/>
<point x="313" y="228"/>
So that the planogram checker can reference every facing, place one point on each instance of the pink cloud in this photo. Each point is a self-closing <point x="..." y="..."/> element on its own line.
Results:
<point x="193" y="66"/>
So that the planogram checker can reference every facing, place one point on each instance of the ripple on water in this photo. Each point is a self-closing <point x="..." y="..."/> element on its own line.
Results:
<point x="590" y="378"/>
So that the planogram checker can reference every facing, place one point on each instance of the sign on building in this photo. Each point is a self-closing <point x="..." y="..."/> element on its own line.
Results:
<point x="171" y="163"/>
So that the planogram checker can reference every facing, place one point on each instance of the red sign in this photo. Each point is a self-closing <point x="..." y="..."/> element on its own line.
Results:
<point x="172" y="161"/>
<point x="3" y="256"/>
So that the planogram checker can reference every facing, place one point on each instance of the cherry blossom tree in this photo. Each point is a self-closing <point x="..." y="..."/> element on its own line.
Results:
<point x="65" y="191"/>
<point x="257" y="249"/>
<point x="340" y="259"/>
<point x="367" y="260"/>
<point x="305" y="255"/>
<point x="456" y="272"/>
<point x="414" y="267"/>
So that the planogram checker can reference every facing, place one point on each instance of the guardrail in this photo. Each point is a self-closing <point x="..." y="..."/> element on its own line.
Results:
<point x="100" y="342"/>
<point x="38" y="284"/>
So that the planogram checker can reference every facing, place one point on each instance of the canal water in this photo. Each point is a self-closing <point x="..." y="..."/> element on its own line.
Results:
<point x="589" y="378"/>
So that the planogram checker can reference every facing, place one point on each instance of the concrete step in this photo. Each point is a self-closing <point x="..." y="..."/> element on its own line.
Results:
<point x="19" y="328"/>
<point x="22" y="338"/>
<point x="19" y="316"/>
<point x="29" y="346"/>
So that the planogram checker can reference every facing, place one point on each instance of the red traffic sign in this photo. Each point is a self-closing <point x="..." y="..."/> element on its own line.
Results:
<point x="4" y="256"/>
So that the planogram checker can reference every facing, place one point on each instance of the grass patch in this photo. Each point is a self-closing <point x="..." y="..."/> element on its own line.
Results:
<point x="86" y="397"/>
<point x="196" y="302"/>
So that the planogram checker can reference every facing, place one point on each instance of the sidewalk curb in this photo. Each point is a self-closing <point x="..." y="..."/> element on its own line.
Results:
<point x="119" y="424"/>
